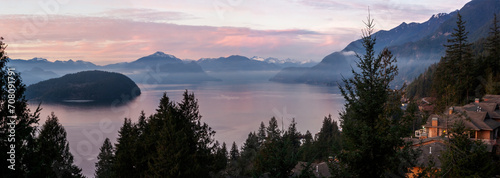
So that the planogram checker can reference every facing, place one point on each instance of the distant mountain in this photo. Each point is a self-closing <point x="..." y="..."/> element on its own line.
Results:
<point x="154" y="60"/>
<point x="283" y="63"/>
<point x="415" y="45"/>
<point x="36" y="74"/>
<point x="96" y="87"/>
<point x="70" y="65"/>
<point x="235" y="63"/>
<point x="161" y="68"/>
<point x="39" y="69"/>
<point x="325" y="72"/>
<point x="404" y="33"/>
<point x="290" y="75"/>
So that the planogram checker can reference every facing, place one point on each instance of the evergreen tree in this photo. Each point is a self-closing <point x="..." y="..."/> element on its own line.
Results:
<point x="464" y="157"/>
<point x="372" y="131"/>
<point x="25" y="122"/>
<point x="104" y="165"/>
<point x="184" y="144"/>
<point x="272" y="130"/>
<point x="262" y="133"/>
<point x="234" y="153"/>
<point x="491" y="66"/>
<point x="279" y="154"/>
<point x="248" y="154"/>
<point x="221" y="159"/>
<point x="54" y="159"/>
<point x="125" y="163"/>
<point x="307" y="151"/>
<point x="493" y="47"/>
<point x="328" y="143"/>
<point x="143" y="146"/>
<point x="203" y="135"/>
<point x="453" y="79"/>
<point x="234" y="156"/>
<point x="293" y="136"/>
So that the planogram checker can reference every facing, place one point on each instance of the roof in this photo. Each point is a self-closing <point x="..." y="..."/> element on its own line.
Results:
<point x="491" y="107"/>
<point x="321" y="168"/>
<point x="445" y="121"/>
<point x="473" y="120"/>
<point x="479" y="118"/>
<point x="492" y="98"/>
<point x="431" y="151"/>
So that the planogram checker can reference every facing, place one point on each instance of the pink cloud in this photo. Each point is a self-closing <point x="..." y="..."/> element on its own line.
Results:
<point x="108" y="40"/>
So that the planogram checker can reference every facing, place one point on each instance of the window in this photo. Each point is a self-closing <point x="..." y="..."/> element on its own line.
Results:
<point x="472" y="134"/>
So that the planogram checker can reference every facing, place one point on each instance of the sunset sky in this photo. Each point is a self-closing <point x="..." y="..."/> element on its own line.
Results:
<point x="111" y="31"/>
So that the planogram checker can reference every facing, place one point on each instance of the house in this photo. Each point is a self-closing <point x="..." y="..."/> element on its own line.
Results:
<point x="481" y="117"/>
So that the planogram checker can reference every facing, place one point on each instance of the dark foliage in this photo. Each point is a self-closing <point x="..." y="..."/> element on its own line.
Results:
<point x="372" y="122"/>
<point x="54" y="158"/>
<point x="464" y="157"/>
<point x="104" y="165"/>
<point x="467" y="70"/>
<point x="173" y="142"/>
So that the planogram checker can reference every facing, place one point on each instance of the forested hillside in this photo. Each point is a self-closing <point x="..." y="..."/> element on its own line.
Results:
<point x="468" y="70"/>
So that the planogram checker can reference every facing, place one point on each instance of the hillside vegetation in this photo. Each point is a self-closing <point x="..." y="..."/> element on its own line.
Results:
<point x="468" y="70"/>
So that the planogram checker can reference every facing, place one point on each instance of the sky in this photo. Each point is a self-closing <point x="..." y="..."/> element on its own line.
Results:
<point x="111" y="31"/>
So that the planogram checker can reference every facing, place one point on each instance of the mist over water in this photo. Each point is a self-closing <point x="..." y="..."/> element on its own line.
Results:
<point x="233" y="108"/>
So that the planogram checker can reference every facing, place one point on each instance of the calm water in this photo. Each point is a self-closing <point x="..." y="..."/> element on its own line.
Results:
<point x="232" y="110"/>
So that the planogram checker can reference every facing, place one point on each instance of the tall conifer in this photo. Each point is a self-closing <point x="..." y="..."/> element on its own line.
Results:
<point x="372" y="135"/>
<point x="104" y="165"/>
<point x="54" y="159"/>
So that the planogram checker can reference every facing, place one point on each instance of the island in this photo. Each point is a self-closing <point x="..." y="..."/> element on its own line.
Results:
<point x="92" y="87"/>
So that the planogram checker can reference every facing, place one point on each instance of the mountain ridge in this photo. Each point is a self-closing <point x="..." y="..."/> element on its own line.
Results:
<point x="415" y="45"/>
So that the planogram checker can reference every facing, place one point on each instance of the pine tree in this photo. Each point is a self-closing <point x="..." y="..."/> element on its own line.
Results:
<point x="25" y="124"/>
<point x="307" y="151"/>
<point x="203" y="135"/>
<point x="248" y="154"/>
<point x="182" y="135"/>
<point x="464" y="157"/>
<point x="262" y="133"/>
<point x="491" y="66"/>
<point x="273" y="132"/>
<point x="158" y="145"/>
<point x="371" y="131"/>
<point x="221" y="159"/>
<point x="174" y="142"/>
<point x="328" y="143"/>
<point x="234" y="156"/>
<point x="293" y="135"/>
<point x="456" y="69"/>
<point x="143" y="154"/>
<point x="493" y="47"/>
<point x="104" y="165"/>
<point x="54" y="160"/>
<point x="125" y="163"/>
<point x="234" y="153"/>
<point x="458" y="48"/>
<point x="279" y="154"/>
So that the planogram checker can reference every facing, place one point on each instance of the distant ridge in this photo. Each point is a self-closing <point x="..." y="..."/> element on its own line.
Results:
<point x="235" y="63"/>
<point x="415" y="45"/>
